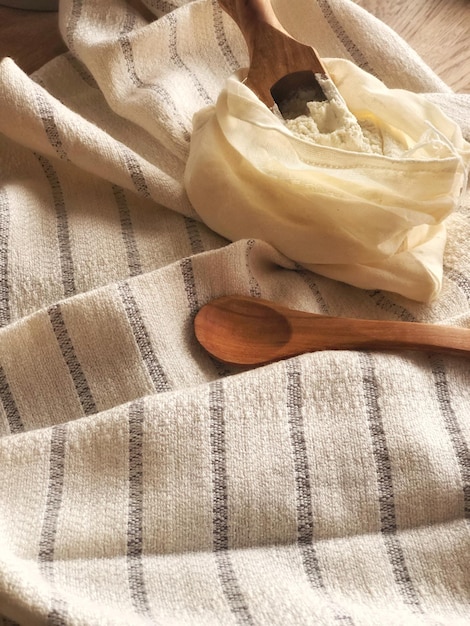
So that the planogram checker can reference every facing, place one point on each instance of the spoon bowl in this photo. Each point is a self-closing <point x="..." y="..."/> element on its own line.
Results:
<point x="247" y="331"/>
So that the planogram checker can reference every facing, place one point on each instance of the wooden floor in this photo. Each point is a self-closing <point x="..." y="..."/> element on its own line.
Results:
<point x="439" y="30"/>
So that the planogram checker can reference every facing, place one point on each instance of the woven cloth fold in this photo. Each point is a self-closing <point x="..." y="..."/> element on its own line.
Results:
<point x="144" y="482"/>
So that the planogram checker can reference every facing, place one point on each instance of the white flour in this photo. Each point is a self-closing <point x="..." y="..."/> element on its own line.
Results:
<point x="330" y="123"/>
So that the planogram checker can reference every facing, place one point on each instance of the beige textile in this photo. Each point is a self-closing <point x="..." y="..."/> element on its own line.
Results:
<point x="142" y="482"/>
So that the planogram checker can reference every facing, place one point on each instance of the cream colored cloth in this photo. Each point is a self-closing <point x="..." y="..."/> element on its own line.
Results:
<point x="376" y="221"/>
<point x="142" y="482"/>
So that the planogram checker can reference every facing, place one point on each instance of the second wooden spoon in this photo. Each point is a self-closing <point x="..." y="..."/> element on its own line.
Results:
<point x="241" y="330"/>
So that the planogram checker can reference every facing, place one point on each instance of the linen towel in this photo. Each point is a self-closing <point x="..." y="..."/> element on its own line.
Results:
<point x="144" y="483"/>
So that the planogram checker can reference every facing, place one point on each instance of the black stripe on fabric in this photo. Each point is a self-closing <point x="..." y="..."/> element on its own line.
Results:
<point x="194" y="236"/>
<point x="255" y="289"/>
<point x="302" y="475"/>
<point x="219" y="31"/>
<point x="6" y="621"/>
<point x="459" y="443"/>
<point x="189" y="282"/>
<point x="344" y="38"/>
<point x="385" y="304"/>
<point x="63" y="234"/>
<point x="71" y="27"/>
<point x="136" y="173"/>
<point x="127" y="231"/>
<point x="8" y="401"/>
<point x="305" y="535"/>
<point x="126" y="48"/>
<point x="129" y="23"/>
<point x="68" y="352"/>
<point x="309" y="280"/>
<point x="5" y="315"/>
<point x="299" y="450"/>
<point x="160" y="6"/>
<point x="180" y="64"/>
<point x="388" y="522"/>
<point x="461" y="281"/>
<point x="220" y="521"/>
<point x="81" y="70"/>
<point x="47" y="542"/>
<point x="57" y="616"/>
<point x="46" y="112"/>
<point x="142" y="339"/>
<point x="135" y="568"/>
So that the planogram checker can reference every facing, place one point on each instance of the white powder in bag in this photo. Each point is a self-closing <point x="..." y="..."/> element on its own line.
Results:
<point x="330" y="123"/>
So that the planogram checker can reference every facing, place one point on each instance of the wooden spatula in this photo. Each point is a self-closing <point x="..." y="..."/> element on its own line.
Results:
<point x="282" y="70"/>
<point x="240" y="330"/>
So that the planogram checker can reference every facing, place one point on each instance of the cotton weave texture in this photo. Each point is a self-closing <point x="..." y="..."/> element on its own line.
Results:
<point x="141" y="481"/>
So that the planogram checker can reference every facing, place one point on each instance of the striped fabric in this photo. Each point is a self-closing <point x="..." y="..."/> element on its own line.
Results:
<point x="142" y="482"/>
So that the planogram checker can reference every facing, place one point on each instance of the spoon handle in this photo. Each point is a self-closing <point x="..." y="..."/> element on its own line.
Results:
<point x="338" y="333"/>
<point x="248" y="14"/>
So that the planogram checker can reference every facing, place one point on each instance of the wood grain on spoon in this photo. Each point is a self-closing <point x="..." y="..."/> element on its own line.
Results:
<point x="242" y="330"/>
<point x="275" y="57"/>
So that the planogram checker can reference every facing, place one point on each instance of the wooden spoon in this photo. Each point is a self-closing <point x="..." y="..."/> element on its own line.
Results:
<point x="282" y="69"/>
<point x="241" y="330"/>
